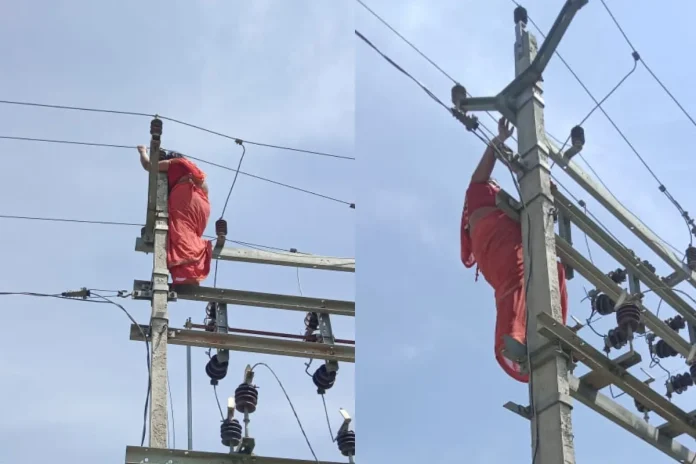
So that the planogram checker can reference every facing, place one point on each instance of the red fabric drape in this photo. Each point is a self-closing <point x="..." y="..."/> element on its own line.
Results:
<point x="496" y="246"/>
<point x="188" y="254"/>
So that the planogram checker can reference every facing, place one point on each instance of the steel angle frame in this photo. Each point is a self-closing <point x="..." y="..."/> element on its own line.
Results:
<point x="635" y="225"/>
<point x="588" y="395"/>
<point x="323" y="263"/>
<point x="601" y="281"/>
<point x="138" y="455"/>
<point x="624" y="256"/>
<point x="596" y="360"/>
<point x="142" y="291"/>
<point x="252" y="344"/>
<point x="668" y="430"/>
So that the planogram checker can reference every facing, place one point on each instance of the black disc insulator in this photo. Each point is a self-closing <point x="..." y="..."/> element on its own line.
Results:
<point x="312" y="321"/>
<point x="156" y="127"/>
<point x="603" y="305"/>
<point x="323" y="379"/>
<point x="458" y="95"/>
<point x="521" y="15"/>
<point x="577" y="136"/>
<point x="691" y="258"/>
<point x="216" y="369"/>
<point x="346" y="443"/>
<point x="628" y="317"/>
<point x="231" y="432"/>
<point x="246" y="396"/>
<point x="618" y="276"/>
<point x="221" y="227"/>
<point x="663" y="350"/>
<point x="616" y="338"/>
<point x="681" y="382"/>
<point x="676" y="323"/>
<point x="640" y="407"/>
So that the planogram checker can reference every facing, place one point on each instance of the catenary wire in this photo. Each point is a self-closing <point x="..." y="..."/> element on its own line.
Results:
<point x="176" y="121"/>
<point x="201" y="160"/>
<point x="292" y="406"/>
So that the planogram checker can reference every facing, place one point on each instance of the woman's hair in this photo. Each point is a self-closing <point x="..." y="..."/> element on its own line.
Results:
<point x="169" y="155"/>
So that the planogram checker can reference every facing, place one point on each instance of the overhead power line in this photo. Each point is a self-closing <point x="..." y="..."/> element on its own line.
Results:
<point x="176" y="121"/>
<point x="389" y="60"/>
<point x="134" y="224"/>
<point x="636" y="56"/>
<point x="201" y="160"/>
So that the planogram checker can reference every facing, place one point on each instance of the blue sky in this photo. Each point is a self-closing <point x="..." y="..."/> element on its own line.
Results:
<point x="432" y="391"/>
<point x="266" y="71"/>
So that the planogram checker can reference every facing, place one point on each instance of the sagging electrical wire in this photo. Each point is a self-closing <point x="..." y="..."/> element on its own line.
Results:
<point x="292" y="406"/>
<point x="200" y="160"/>
<point x="171" y="408"/>
<point x="177" y="121"/>
<point x="636" y="57"/>
<point x="221" y="224"/>
<point x="270" y="249"/>
<point x="104" y="300"/>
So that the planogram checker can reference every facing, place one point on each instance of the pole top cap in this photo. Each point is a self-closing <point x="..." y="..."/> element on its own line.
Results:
<point x="521" y="15"/>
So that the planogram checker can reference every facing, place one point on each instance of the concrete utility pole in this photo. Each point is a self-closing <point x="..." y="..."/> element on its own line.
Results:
<point x="552" y="433"/>
<point x="160" y="292"/>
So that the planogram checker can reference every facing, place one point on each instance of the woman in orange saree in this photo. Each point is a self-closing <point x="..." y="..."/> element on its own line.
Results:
<point x="493" y="241"/>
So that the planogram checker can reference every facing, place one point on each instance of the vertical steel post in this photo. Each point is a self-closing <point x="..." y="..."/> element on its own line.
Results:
<point x="552" y="435"/>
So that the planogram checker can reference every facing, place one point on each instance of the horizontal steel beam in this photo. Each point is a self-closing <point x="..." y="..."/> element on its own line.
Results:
<point x="599" y="379"/>
<point x="602" y="404"/>
<point x="138" y="455"/>
<point x="325" y="263"/>
<point x="571" y="257"/>
<point x="265" y="300"/>
<point x="251" y="344"/>
<point x="624" y="256"/>
<point x="142" y="291"/>
<point x="635" y="225"/>
<point x="668" y="430"/>
<point x="596" y="360"/>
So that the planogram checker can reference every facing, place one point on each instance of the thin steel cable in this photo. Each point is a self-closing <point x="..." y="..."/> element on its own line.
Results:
<point x="647" y="68"/>
<point x="176" y="121"/>
<point x="270" y="249"/>
<point x="326" y="412"/>
<point x="234" y="181"/>
<point x="200" y="160"/>
<point x="406" y="73"/>
<point x="292" y="406"/>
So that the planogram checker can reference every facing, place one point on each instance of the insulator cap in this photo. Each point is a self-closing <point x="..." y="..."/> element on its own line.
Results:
<point x="312" y="321"/>
<point x="663" y="350"/>
<point x="521" y="15"/>
<point x="231" y="432"/>
<point x="603" y="305"/>
<point x="221" y="227"/>
<point x="628" y="317"/>
<point x="577" y="136"/>
<point x="323" y="379"/>
<point x="216" y="370"/>
<point x="246" y="397"/>
<point x="156" y="127"/>
<point x="346" y="443"/>
<point x="691" y="258"/>
<point x="676" y="323"/>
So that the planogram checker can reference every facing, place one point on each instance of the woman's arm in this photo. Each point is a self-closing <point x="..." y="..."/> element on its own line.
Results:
<point x="145" y="160"/>
<point x="483" y="171"/>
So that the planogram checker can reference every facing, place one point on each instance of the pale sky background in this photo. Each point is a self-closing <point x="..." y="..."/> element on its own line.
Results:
<point x="432" y="391"/>
<point x="269" y="71"/>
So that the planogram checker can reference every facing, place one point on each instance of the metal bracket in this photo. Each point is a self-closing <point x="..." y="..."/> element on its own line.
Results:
<point x="327" y="338"/>
<point x="565" y="232"/>
<point x="142" y="290"/>
<point x="517" y="352"/>
<point x="552" y="400"/>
